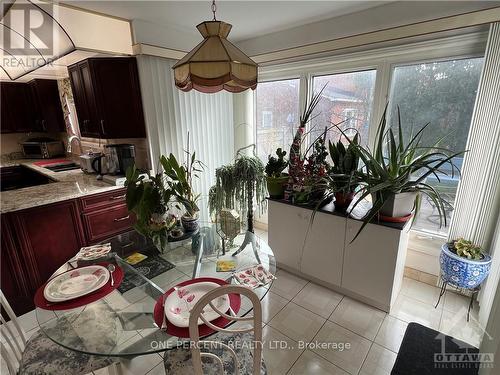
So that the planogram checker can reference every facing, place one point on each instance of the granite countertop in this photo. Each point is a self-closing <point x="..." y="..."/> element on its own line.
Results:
<point x="67" y="185"/>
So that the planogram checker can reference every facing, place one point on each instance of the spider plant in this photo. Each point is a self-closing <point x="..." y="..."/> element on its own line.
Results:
<point x="396" y="167"/>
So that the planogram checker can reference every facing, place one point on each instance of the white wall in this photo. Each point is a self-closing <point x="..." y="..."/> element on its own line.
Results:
<point x="385" y="16"/>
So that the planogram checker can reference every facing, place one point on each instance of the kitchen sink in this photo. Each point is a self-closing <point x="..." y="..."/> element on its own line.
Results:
<point x="18" y="177"/>
<point x="63" y="167"/>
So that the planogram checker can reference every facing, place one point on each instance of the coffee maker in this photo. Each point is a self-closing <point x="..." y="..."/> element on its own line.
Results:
<point x="115" y="160"/>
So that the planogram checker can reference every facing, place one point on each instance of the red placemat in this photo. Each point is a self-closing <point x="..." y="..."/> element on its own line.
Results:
<point x="42" y="303"/>
<point x="183" y="332"/>
<point x="50" y="162"/>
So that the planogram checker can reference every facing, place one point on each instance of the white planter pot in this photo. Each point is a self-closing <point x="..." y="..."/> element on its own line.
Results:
<point x="399" y="205"/>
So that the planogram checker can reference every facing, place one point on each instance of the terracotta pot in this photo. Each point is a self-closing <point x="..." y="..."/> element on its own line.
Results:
<point x="343" y="200"/>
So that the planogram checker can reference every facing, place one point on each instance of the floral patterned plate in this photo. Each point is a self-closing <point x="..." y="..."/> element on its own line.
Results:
<point x="178" y="304"/>
<point x="76" y="283"/>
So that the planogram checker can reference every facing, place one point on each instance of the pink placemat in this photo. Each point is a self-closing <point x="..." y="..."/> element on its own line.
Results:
<point x="183" y="332"/>
<point x="42" y="303"/>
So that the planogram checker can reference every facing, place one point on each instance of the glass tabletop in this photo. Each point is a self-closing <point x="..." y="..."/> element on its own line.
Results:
<point x="122" y="324"/>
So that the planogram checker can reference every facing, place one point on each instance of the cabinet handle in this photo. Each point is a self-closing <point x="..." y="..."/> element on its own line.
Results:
<point x="102" y="128"/>
<point x="44" y="128"/>
<point x="118" y="197"/>
<point x="122" y="218"/>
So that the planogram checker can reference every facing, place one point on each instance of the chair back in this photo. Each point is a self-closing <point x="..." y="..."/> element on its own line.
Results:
<point x="13" y="338"/>
<point x="256" y="328"/>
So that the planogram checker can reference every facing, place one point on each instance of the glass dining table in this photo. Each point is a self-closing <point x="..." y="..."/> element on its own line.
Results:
<point x="121" y="324"/>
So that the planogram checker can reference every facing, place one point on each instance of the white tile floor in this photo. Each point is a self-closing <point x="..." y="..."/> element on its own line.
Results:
<point x="297" y="311"/>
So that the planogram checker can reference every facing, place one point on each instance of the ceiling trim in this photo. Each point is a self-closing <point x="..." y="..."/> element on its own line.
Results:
<point x="449" y="23"/>
<point x="152" y="50"/>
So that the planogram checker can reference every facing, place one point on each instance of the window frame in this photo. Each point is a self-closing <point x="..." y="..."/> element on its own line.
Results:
<point x="383" y="60"/>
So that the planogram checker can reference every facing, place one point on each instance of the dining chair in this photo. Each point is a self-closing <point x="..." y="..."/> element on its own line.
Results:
<point x="229" y="350"/>
<point x="40" y="355"/>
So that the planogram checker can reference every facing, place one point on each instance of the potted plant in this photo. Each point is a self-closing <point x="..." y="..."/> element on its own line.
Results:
<point x="395" y="173"/>
<point x="342" y="173"/>
<point x="463" y="264"/>
<point x="180" y="180"/>
<point x="307" y="169"/>
<point x="148" y="197"/>
<point x="237" y="185"/>
<point x="275" y="177"/>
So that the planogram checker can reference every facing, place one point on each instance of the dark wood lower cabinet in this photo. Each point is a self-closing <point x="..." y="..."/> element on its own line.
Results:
<point x="37" y="241"/>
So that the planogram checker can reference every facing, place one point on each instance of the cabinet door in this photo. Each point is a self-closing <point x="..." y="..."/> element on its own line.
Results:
<point x="17" y="112"/>
<point x="82" y="113"/>
<point x="324" y="248"/>
<point x="92" y="127"/>
<point x="15" y="283"/>
<point x="287" y="230"/>
<point x="48" y="105"/>
<point x="118" y="97"/>
<point x="374" y="262"/>
<point x="50" y="235"/>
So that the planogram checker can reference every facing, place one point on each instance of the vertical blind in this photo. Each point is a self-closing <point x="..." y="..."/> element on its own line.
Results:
<point x="170" y="114"/>
<point x="478" y="197"/>
<point x="476" y="208"/>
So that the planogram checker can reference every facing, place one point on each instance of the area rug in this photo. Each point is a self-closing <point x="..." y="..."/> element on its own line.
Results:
<point x="425" y="351"/>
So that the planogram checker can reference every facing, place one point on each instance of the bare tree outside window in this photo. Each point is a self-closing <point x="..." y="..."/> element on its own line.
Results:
<point x="277" y="115"/>
<point x="347" y="98"/>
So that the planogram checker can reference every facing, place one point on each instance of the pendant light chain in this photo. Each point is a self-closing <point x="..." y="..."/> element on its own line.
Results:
<point x="214" y="9"/>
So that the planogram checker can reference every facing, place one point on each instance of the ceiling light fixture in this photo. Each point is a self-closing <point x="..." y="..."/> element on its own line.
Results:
<point x="215" y="64"/>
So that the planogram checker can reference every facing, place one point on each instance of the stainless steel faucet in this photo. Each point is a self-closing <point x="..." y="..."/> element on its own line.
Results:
<point x="71" y="139"/>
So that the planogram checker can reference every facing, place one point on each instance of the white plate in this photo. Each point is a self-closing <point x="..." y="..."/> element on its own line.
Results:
<point x="180" y="302"/>
<point x="76" y="283"/>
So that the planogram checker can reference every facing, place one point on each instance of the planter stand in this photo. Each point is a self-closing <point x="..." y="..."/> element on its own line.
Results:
<point x="443" y="291"/>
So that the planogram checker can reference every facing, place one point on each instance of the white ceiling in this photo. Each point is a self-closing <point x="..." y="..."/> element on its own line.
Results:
<point x="249" y="18"/>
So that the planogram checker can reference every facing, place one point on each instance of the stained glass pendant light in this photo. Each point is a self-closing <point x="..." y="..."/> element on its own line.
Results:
<point x="215" y="64"/>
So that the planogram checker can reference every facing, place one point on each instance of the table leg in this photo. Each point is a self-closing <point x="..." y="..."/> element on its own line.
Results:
<point x="249" y="239"/>
<point x="199" y="255"/>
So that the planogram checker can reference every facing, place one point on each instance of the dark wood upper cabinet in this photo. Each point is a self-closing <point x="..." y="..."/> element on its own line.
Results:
<point x="31" y="107"/>
<point x="47" y="106"/>
<point x="16" y="108"/>
<point x="108" y="98"/>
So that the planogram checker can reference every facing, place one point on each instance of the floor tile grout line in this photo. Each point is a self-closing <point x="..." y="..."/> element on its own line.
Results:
<point x="367" y="354"/>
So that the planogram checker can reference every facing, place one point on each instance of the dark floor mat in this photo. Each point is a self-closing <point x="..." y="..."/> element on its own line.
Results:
<point x="150" y="267"/>
<point x="426" y="351"/>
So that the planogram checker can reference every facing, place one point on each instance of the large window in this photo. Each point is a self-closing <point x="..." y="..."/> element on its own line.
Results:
<point x="277" y="115"/>
<point x="442" y="94"/>
<point x="347" y="100"/>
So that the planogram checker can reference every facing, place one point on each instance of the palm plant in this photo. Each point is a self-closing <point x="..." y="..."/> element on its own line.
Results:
<point x="396" y="167"/>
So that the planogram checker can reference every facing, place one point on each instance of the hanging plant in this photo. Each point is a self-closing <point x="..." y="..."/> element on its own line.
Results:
<point x="237" y="186"/>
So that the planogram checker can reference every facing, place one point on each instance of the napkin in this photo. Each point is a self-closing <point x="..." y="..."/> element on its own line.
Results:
<point x="93" y="252"/>
<point x="254" y="277"/>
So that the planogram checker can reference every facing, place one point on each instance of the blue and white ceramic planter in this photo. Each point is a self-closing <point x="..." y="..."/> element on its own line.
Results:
<point x="463" y="272"/>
